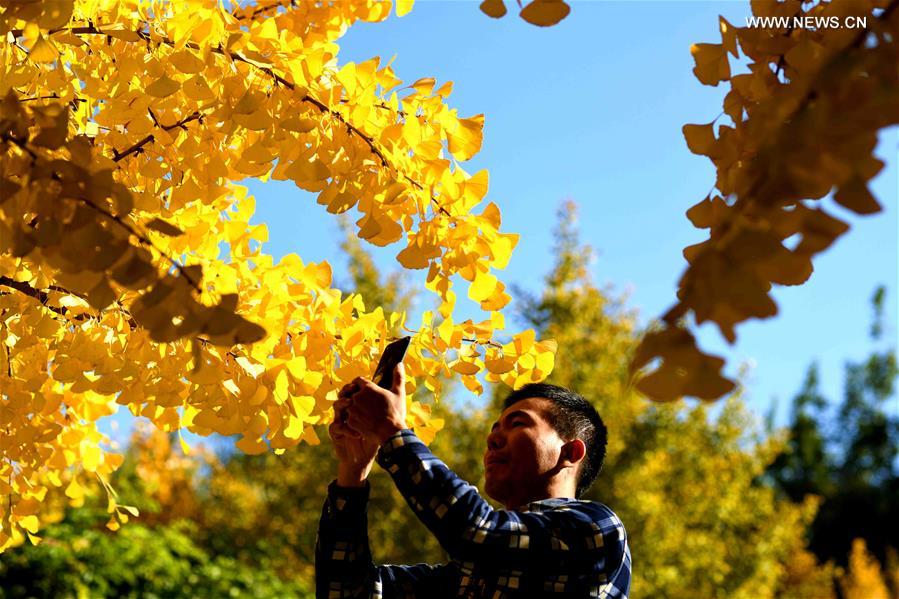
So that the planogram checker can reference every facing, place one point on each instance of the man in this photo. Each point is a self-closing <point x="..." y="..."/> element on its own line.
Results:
<point x="547" y="448"/>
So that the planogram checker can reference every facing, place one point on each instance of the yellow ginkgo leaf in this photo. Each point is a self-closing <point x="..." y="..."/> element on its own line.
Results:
<point x="163" y="87"/>
<point x="43" y="51"/>
<point x="403" y="7"/>
<point x="465" y="141"/>
<point x="29" y="523"/>
<point x="855" y="196"/>
<point x="711" y="63"/>
<point x="500" y="365"/>
<point x="91" y="456"/>
<point x="186" y="62"/>
<point x="728" y="36"/>
<point x="197" y="89"/>
<point x="166" y="228"/>
<point x="424" y="86"/>
<point x="299" y="124"/>
<point x="700" y="138"/>
<point x="251" y="446"/>
<point x="463" y="367"/>
<point x="482" y="287"/>
<point x="74" y="490"/>
<point x="55" y="13"/>
<point x="545" y="12"/>
<point x="249" y="103"/>
<point x="308" y="170"/>
<point x="493" y="8"/>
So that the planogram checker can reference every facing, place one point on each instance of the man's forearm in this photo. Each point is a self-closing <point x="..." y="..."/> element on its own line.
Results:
<point x="351" y="475"/>
<point x="343" y="564"/>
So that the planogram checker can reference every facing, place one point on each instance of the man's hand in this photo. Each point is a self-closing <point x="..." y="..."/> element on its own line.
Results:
<point x="355" y="451"/>
<point x="376" y="411"/>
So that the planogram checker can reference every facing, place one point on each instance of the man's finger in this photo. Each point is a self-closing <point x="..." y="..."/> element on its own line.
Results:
<point x="347" y="390"/>
<point x="362" y="382"/>
<point x="346" y="430"/>
<point x="355" y="423"/>
<point x="399" y="380"/>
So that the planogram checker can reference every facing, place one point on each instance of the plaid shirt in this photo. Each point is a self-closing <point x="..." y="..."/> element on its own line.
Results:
<point x="558" y="547"/>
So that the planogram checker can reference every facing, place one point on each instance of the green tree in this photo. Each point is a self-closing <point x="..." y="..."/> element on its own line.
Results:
<point x="85" y="560"/>
<point x="805" y="467"/>
<point x="161" y="554"/>
<point x="848" y="455"/>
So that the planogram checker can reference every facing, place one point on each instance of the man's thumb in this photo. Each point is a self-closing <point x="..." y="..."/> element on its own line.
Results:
<point x="399" y="380"/>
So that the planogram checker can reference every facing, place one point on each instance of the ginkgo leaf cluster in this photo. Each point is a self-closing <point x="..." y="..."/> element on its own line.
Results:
<point x="131" y="274"/>
<point x="803" y="125"/>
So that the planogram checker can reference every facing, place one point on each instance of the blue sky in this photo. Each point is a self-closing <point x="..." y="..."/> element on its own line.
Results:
<point x="592" y="110"/>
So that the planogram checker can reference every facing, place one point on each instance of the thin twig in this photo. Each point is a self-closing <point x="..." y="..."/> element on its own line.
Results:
<point x="8" y="516"/>
<point x="6" y="348"/>
<point x="50" y="97"/>
<point x="261" y="9"/>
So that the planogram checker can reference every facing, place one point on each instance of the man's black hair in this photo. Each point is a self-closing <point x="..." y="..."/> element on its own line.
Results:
<point x="572" y="417"/>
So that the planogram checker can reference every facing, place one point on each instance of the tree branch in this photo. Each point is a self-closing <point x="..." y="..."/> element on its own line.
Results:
<point x="41" y="296"/>
<point x="117" y="156"/>
<point x="21" y="144"/>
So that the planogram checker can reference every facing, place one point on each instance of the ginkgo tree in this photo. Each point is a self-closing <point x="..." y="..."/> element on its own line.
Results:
<point x="130" y="274"/>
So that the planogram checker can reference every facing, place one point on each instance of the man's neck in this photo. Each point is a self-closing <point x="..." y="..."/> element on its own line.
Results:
<point x="557" y="491"/>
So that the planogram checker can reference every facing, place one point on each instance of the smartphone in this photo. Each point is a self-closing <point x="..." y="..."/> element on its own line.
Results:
<point x="393" y="355"/>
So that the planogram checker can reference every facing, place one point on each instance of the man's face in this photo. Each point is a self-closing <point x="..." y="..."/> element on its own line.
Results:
<point x="522" y="450"/>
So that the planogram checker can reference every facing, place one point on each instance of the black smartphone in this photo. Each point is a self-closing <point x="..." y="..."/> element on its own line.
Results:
<point x="393" y="355"/>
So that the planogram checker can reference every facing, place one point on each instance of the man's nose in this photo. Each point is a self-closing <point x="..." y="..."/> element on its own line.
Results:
<point x="495" y="439"/>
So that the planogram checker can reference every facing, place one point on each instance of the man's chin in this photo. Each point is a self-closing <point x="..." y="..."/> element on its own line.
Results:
<point x="494" y="490"/>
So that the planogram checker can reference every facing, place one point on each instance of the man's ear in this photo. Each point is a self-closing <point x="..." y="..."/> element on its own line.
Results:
<point x="573" y="452"/>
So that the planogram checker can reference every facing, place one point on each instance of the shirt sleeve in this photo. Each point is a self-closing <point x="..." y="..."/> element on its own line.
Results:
<point x="581" y="535"/>
<point x="343" y="561"/>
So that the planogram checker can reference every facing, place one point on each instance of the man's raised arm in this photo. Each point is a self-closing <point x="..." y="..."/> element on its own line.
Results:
<point x="343" y="560"/>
